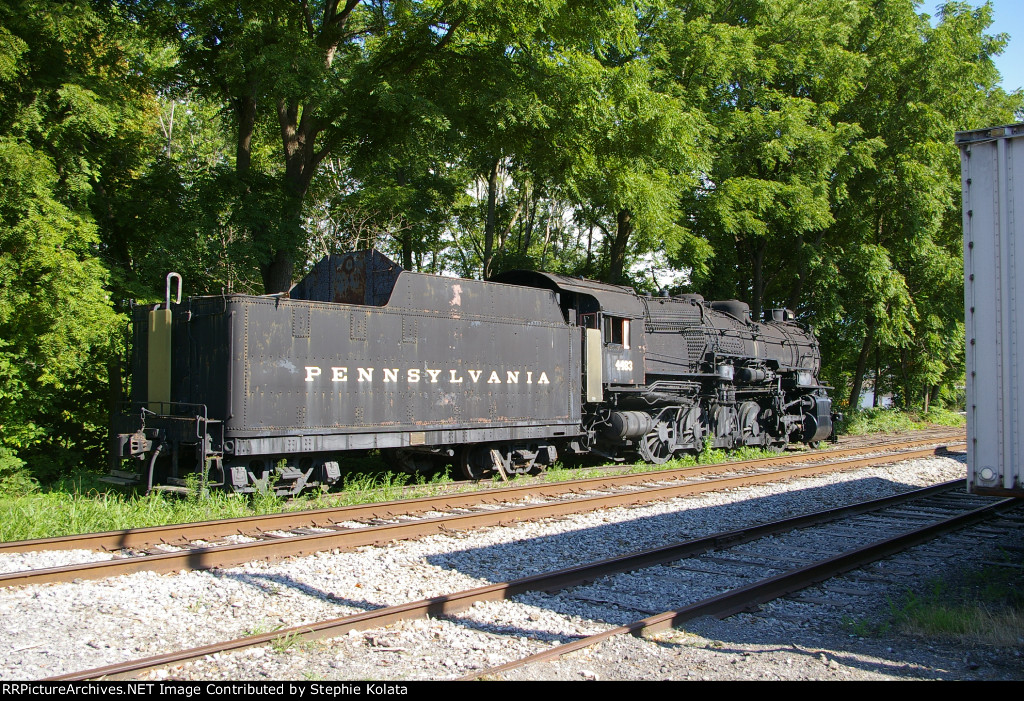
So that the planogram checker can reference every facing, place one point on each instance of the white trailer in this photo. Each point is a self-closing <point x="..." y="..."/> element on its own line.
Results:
<point x="992" y="173"/>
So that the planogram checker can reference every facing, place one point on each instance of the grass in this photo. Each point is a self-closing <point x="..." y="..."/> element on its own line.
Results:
<point x="890" y="420"/>
<point x="260" y="629"/>
<point x="86" y="505"/>
<point x="287" y="642"/>
<point x="87" y="510"/>
<point x="983" y="606"/>
<point x="864" y="628"/>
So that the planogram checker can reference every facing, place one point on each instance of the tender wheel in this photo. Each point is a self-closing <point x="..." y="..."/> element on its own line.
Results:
<point x="657" y="446"/>
<point x="412" y="462"/>
<point x="482" y="461"/>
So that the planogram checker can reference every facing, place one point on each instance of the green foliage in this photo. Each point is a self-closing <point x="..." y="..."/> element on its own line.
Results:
<point x="944" y="417"/>
<point x="857" y="423"/>
<point x="890" y="420"/>
<point x="56" y="321"/>
<point x="981" y="606"/>
<point x="889" y="277"/>
<point x="84" y="505"/>
<point x="72" y="115"/>
<point x="783" y="154"/>
<point x="864" y="628"/>
<point x="291" y="641"/>
<point x="14" y="477"/>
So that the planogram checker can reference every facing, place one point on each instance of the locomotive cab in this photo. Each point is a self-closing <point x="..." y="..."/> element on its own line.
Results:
<point x="611" y="320"/>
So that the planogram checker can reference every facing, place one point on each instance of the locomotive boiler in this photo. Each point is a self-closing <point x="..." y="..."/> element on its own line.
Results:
<point x="500" y="377"/>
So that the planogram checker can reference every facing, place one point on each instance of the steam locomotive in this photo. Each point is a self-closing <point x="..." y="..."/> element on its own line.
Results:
<point x="498" y="378"/>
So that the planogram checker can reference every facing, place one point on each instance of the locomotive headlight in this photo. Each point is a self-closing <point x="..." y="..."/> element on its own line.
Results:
<point x="804" y="378"/>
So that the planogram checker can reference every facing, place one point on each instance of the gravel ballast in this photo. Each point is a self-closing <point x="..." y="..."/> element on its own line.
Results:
<point x="60" y="628"/>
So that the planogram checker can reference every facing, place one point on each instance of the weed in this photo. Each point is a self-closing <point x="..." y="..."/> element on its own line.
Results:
<point x="711" y="455"/>
<point x="267" y="501"/>
<point x="260" y="629"/>
<point x="944" y="417"/>
<point x="980" y="606"/>
<point x="287" y="642"/>
<point x="863" y="628"/>
<point x="197" y="489"/>
<point x="891" y="420"/>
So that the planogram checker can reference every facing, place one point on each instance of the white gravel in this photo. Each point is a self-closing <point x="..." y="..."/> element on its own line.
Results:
<point x="47" y="630"/>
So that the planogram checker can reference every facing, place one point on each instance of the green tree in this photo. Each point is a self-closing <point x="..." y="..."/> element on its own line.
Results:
<point x="72" y="115"/>
<point x="618" y="144"/>
<point x="900" y="227"/>
<point x="295" y="74"/>
<point x="781" y="152"/>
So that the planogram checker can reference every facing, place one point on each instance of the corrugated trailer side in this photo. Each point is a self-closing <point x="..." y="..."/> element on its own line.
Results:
<point x="994" y="307"/>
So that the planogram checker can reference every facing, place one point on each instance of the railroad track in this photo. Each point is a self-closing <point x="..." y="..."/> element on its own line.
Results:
<point x="940" y="432"/>
<point x="824" y="552"/>
<point x="213" y="544"/>
<point x="829" y="542"/>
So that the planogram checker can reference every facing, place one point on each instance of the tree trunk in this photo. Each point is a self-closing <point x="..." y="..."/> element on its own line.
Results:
<point x="757" y="286"/>
<point x="905" y="371"/>
<point x="277" y="274"/>
<point x="492" y="197"/>
<point x="245" y="107"/>
<point x="797" y="289"/>
<point x="528" y="228"/>
<point x="298" y="137"/>
<point x="590" y="250"/>
<point x="405" y="238"/>
<point x="279" y="270"/>
<point x="617" y="251"/>
<point x="878" y="372"/>
<point x="862" y="361"/>
<point x="405" y="235"/>
<point x="547" y="238"/>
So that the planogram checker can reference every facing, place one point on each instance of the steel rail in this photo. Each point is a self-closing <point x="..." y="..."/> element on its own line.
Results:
<point x="743" y="598"/>
<point x="548" y="581"/>
<point x="181" y="534"/>
<point x="239" y="553"/>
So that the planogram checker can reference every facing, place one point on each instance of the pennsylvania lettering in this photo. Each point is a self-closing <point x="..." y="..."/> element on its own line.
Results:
<point x="414" y="376"/>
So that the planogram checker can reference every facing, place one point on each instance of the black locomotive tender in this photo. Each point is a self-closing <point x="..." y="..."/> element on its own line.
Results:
<point x="499" y="377"/>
